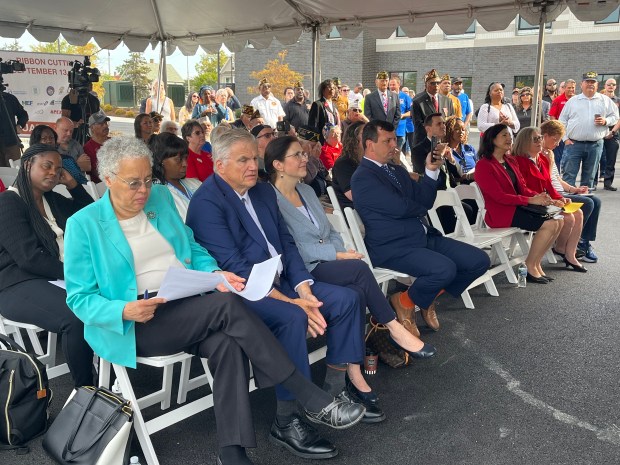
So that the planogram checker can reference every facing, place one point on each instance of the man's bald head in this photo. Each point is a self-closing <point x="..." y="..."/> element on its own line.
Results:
<point x="64" y="128"/>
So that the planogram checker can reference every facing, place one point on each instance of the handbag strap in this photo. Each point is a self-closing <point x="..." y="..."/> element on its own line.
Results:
<point x="67" y="453"/>
<point x="10" y="344"/>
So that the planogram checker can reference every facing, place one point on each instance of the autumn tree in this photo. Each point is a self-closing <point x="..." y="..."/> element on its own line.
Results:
<point x="11" y="46"/>
<point x="65" y="48"/>
<point x="206" y="70"/>
<point x="136" y="69"/>
<point x="278" y="73"/>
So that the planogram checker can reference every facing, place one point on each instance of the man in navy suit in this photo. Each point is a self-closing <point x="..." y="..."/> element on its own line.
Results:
<point x="393" y="209"/>
<point x="239" y="223"/>
<point x="382" y="104"/>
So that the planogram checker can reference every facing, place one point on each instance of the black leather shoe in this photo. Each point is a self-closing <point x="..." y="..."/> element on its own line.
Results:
<point x="609" y="187"/>
<point x="427" y="350"/>
<point x="340" y="414"/>
<point x="538" y="280"/>
<point x="548" y="278"/>
<point x="370" y="400"/>
<point x="301" y="440"/>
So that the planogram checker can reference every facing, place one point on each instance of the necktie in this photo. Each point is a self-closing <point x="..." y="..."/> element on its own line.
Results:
<point x="391" y="174"/>
<point x="436" y="103"/>
<point x="385" y="102"/>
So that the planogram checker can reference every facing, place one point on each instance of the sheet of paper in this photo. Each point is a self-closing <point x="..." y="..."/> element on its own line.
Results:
<point x="60" y="283"/>
<point x="180" y="282"/>
<point x="572" y="207"/>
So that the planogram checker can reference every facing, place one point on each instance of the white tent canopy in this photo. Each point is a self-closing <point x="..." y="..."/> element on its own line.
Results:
<point x="193" y="23"/>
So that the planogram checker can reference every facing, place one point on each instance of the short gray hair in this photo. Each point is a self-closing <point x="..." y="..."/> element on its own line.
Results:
<point x="570" y="81"/>
<point x="223" y="143"/>
<point x="117" y="149"/>
<point x="221" y="92"/>
<point x="166" y="124"/>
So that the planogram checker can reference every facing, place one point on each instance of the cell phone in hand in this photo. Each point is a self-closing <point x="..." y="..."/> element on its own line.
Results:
<point x="434" y="142"/>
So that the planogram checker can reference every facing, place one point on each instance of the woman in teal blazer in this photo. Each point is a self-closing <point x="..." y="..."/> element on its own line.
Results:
<point x="129" y="239"/>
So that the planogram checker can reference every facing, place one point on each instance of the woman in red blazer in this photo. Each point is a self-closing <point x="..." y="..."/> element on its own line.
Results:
<point x="503" y="188"/>
<point x="536" y="171"/>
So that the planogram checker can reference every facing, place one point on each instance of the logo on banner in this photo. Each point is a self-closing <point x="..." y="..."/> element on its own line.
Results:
<point x="50" y="90"/>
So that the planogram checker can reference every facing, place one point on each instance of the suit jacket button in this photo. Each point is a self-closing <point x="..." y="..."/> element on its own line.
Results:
<point x="320" y="241"/>
<point x="188" y="261"/>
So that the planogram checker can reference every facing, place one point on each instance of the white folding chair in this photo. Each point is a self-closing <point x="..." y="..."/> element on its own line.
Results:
<point x="101" y="188"/>
<point x="333" y="199"/>
<point x="15" y="163"/>
<point x="91" y="188"/>
<point x="403" y="160"/>
<point x="464" y="233"/>
<point x="8" y="175"/>
<point x="48" y="358"/>
<point x="339" y="224"/>
<point x="62" y="190"/>
<point x="382" y="275"/>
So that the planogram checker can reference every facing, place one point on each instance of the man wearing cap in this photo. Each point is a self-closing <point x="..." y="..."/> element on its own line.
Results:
<point x="551" y="91"/>
<point x="295" y="110"/>
<point x="427" y="102"/>
<point x="269" y="107"/>
<point x="354" y="114"/>
<point x="405" y="111"/>
<point x="611" y="141"/>
<point x="99" y="130"/>
<point x="586" y="118"/>
<point x="445" y="86"/>
<point x="382" y="104"/>
<point x="244" y="120"/>
<point x="466" y="108"/>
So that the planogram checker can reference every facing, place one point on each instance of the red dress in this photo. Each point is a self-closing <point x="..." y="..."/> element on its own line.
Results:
<point x="329" y="154"/>
<point x="500" y="197"/>
<point x="199" y="165"/>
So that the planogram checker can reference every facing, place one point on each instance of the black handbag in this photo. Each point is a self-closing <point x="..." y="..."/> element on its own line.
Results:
<point x="94" y="428"/>
<point x="541" y="211"/>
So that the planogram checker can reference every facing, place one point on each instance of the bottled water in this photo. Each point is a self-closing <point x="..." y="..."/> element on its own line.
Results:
<point x="134" y="461"/>
<point x="522" y="275"/>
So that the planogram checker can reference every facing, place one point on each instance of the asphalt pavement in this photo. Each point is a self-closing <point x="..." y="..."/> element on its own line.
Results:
<point x="529" y="377"/>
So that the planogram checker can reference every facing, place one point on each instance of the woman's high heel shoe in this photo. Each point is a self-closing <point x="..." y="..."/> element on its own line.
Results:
<point x="579" y="268"/>
<point x="426" y="351"/>
<point x="536" y="279"/>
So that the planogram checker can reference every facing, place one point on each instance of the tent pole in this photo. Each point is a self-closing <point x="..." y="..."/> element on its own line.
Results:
<point x="536" y="105"/>
<point x="316" y="67"/>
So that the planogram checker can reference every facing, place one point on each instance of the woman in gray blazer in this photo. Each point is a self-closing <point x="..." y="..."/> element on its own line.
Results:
<point x="325" y="256"/>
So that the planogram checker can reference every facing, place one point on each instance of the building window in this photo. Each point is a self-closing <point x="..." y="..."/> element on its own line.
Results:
<point x="526" y="80"/>
<point x="604" y="77"/>
<point x="470" y="33"/>
<point x="467" y="83"/>
<point x="400" y="32"/>
<point x="334" y="34"/>
<point x="524" y="26"/>
<point x="613" y="18"/>
<point x="407" y="78"/>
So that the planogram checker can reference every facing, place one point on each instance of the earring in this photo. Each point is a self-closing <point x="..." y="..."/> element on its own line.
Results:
<point x="281" y="176"/>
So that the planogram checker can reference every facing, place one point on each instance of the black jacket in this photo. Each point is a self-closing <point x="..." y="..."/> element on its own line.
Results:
<point x="7" y="127"/>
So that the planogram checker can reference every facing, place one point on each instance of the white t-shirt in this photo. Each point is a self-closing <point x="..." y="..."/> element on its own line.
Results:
<point x="270" y="109"/>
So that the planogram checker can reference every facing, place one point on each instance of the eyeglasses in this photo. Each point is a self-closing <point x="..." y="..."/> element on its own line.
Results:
<point x="345" y="90"/>
<point x="195" y="96"/>
<point x="356" y="110"/>
<point x="526" y="95"/>
<point x="537" y="139"/>
<point x="611" y="84"/>
<point x="269" y="135"/>
<point x="551" y="83"/>
<point x="298" y="155"/>
<point x="136" y="184"/>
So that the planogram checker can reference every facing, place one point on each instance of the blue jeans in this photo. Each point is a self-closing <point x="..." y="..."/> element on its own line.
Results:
<point x="591" y="208"/>
<point x="586" y="155"/>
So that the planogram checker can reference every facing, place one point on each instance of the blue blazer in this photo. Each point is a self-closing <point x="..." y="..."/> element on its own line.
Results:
<point x="318" y="242"/>
<point x="391" y="213"/>
<point x="100" y="273"/>
<point x="222" y="224"/>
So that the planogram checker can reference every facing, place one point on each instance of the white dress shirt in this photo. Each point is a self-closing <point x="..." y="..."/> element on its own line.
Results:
<point x="578" y="117"/>
<point x="270" y="109"/>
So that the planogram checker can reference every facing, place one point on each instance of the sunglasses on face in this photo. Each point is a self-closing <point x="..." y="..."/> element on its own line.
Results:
<point x="537" y="139"/>
<point x="356" y="110"/>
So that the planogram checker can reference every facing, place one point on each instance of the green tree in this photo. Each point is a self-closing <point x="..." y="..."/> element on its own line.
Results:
<point x="11" y="46"/>
<point x="65" y="48"/>
<point x="206" y="70"/>
<point x="135" y="69"/>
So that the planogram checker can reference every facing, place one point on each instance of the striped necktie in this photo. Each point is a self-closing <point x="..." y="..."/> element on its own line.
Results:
<point x="391" y="174"/>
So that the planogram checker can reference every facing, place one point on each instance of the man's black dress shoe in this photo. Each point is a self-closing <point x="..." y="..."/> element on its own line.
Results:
<point x="301" y="440"/>
<point x="370" y="400"/>
<point x="340" y="414"/>
<point x="427" y="350"/>
<point x="609" y="187"/>
<point x="538" y="280"/>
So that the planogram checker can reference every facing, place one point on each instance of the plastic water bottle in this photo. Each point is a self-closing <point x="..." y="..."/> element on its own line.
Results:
<point x="522" y="275"/>
<point x="134" y="460"/>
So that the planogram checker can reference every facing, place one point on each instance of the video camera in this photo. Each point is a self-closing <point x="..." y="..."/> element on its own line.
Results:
<point x="81" y="75"/>
<point x="11" y="66"/>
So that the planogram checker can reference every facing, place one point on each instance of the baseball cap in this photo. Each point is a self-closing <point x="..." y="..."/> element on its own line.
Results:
<point x="590" y="76"/>
<point x="98" y="117"/>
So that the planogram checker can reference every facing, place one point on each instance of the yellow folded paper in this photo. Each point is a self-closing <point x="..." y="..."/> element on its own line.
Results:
<point x="572" y="207"/>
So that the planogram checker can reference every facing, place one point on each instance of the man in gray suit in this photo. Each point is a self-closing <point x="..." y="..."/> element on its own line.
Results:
<point x="428" y="102"/>
<point x="382" y="104"/>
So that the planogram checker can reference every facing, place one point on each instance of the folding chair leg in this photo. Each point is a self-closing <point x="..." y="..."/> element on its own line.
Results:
<point x="490" y="286"/>
<point x="186" y="384"/>
<point x="138" y="420"/>
<point x="104" y="373"/>
<point x="467" y="299"/>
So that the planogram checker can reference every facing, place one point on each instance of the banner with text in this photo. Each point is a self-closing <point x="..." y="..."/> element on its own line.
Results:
<point x="42" y="86"/>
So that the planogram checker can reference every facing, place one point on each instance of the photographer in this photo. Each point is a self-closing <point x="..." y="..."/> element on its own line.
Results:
<point x="10" y="145"/>
<point x="71" y="108"/>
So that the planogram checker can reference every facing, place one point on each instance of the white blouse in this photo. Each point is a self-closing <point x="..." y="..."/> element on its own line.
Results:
<point x="152" y="254"/>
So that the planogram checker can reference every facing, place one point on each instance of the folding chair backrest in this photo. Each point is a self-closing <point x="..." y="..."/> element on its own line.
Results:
<point x="339" y="224"/>
<point x="101" y="188"/>
<point x="450" y="198"/>
<point x="8" y="179"/>
<point x="472" y="192"/>
<point x="356" y="225"/>
<point x="62" y="190"/>
<point x="15" y="163"/>
<point x="333" y="199"/>
<point x="405" y="162"/>
<point x="91" y="188"/>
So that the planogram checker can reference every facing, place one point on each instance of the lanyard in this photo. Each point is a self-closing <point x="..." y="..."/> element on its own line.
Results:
<point x="187" y="195"/>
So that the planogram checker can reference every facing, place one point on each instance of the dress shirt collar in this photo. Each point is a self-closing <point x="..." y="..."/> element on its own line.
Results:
<point x="380" y="165"/>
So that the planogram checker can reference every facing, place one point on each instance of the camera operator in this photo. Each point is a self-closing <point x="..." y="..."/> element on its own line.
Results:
<point x="10" y="145"/>
<point x="72" y="109"/>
